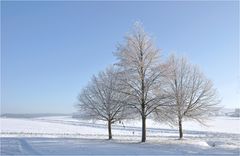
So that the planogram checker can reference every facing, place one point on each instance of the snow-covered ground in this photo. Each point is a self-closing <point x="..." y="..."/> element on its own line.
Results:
<point x="65" y="135"/>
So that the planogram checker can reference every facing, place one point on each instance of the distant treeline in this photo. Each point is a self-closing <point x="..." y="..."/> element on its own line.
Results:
<point x="9" y="115"/>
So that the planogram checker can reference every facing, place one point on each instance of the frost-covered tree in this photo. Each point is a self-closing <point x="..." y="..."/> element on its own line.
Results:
<point x="138" y="60"/>
<point x="192" y="95"/>
<point x="99" y="99"/>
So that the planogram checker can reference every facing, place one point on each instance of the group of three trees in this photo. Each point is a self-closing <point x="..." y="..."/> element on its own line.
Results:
<point x="172" y="91"/>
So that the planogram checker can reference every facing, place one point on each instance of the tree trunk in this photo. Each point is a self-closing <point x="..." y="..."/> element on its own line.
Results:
<point x="109" y="129"/>
<point x="143" y="128"/>
<point x="180" y="128"/>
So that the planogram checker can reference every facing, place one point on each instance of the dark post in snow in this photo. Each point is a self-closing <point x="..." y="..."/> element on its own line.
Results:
<point x="109" y="129"/>
<point x="180" y="128"/>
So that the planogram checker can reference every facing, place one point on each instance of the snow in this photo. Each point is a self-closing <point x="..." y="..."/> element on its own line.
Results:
<point x="73" y="146"/>
<point x="65" y="135"/>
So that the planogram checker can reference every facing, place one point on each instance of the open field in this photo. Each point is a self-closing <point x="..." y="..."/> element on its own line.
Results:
<point x="65" y="135"/>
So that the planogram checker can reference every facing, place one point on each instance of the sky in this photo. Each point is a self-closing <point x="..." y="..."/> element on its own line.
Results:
<point x="50" y="50"/>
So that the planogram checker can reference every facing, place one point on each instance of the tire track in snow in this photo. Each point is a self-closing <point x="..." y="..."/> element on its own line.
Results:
<point x="27" y="147"/>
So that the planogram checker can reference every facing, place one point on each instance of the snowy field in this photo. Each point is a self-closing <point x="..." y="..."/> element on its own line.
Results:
<point x="65" y="135"/>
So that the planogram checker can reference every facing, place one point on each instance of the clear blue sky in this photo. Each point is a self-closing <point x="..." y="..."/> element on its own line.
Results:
<point x="50" y="50"/>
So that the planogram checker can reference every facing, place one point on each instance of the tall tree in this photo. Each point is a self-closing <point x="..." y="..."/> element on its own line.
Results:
<point x="192" y="94"/>
<point x="99" y="100"/>
<point x="138" y="59"/>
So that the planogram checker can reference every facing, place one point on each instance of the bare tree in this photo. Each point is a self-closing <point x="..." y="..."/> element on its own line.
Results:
<point x="192" y="94"/>
<point x="139" y="63"/>
<point x="99" y="100"/>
